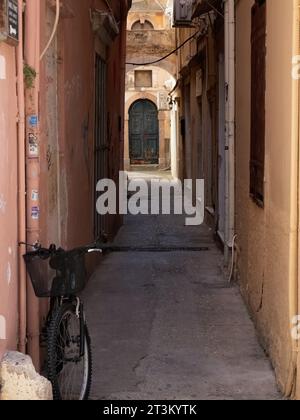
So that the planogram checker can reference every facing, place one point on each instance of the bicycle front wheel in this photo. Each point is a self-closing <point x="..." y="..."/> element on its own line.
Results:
<point x="69" y="371"/>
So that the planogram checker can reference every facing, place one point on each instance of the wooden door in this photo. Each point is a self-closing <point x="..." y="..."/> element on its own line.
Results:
<point x="144" y="133"/>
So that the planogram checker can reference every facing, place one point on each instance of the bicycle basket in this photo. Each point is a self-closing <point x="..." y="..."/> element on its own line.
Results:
<point x="57" y="274"/>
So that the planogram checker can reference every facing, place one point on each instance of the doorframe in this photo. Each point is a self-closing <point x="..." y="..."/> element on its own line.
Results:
<point x="100" y="139"/>
<point x="221" y="152"/>
<point x="162" y="117"/>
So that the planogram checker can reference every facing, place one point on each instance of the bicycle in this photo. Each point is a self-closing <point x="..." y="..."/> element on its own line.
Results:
<point x="61" y="275"/>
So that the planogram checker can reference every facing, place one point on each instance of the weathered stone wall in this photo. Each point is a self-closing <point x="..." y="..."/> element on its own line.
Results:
<point x="151" y="42"/>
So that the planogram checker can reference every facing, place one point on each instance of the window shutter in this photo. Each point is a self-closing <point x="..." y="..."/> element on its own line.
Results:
<point x="258" y="94"/>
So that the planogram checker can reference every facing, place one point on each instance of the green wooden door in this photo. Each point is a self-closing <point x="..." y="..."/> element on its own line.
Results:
<point x="144" y="133"/>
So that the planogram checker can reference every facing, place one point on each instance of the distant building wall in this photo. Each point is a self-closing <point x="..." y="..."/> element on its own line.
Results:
<point x="143" y="46"/>
<point x="162" y="84"/>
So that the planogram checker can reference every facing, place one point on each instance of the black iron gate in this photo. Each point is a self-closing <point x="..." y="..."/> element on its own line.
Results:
<point x="101" y="146"/>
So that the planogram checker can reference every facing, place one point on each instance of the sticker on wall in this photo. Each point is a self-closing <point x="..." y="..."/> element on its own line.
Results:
<point x="35" y="213"/>
<point x="33" y="145"/>
<point x="13" y="19"/>
<point x="33" y="121"/>
<point x="34" y="195"/>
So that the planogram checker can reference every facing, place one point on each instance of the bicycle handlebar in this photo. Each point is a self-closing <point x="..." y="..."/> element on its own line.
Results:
<point x="46" y="252"/>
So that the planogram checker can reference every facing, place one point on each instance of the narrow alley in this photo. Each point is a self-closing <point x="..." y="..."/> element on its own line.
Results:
<point x="109" y="291"/>
<point x="166" y="324"/>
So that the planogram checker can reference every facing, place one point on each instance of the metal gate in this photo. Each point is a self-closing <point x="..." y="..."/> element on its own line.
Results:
<point x="101" y="146"/>
<point x="144" y="133"/>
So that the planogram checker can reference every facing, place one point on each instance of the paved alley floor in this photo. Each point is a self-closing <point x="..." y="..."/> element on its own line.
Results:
<point x="167" y="325"/>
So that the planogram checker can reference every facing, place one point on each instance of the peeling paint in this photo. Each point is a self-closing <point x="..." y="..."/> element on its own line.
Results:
<point x="2" y="68"/>
<point x="4" y="161"/>
<point x="2" y="328"/>
<point x="2" y="204"/>
<point x="34" y="173"/>
<point x="8" y="273"/>
<point x="73" y="87"/>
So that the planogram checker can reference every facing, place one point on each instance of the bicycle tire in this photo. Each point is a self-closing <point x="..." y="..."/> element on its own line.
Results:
<point x="53" y="335"/>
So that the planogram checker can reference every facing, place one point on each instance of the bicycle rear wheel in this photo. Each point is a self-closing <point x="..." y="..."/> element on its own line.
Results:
<point x="69" y="372"/>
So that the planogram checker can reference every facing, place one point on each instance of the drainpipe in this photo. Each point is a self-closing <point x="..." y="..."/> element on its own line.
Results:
<point x="297" y="141"/>
<point x="294" y="298"/>
<point x="32" y="57"/>
<point x="229" y="126"/>
<point x="21" y="186"/>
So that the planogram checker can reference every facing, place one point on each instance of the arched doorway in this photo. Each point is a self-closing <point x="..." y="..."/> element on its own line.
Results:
<point x="143" y="133"/>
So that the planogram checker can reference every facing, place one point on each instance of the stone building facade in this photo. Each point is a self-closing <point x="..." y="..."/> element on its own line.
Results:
<point x="147" y="110"/>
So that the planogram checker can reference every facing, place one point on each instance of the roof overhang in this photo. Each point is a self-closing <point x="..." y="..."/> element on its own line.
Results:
<point x="205" y="6"/>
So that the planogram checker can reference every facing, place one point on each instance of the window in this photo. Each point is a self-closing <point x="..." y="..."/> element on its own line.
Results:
<point x="142" y="26"/>
<point x="258" y="93"/>
<point x="143" y="78"/>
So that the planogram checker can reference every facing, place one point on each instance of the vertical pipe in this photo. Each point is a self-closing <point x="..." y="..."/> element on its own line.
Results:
<point x="173" y="141"/>
<point x="296" y="136"/>
<point x="229" y="125"/>
<point x="21" y="185"/>
<point x="231" y="122"/>
<point x="32" y="57"/>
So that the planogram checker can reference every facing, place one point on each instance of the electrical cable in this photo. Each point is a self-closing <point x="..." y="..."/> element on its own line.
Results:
<point x="167" y="56"/>
<point x="54" y="29"/>
<point x="214" y="9"/>
<point x="109" y="6"/>
<point x="233" y="258"/>
<point x="163" y="7"/>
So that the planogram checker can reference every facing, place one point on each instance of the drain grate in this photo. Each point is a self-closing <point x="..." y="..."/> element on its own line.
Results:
<point x="155" y="249"/>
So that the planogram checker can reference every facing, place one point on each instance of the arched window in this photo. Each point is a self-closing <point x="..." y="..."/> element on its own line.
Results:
<point x="139" y="26"/>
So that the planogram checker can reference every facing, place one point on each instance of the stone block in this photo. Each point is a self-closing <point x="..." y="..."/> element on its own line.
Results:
<point x="19" y="380"/>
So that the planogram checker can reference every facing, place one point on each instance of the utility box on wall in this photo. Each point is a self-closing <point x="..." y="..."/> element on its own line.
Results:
<point x="163" y="101"/>
<point x="9" y="21"/>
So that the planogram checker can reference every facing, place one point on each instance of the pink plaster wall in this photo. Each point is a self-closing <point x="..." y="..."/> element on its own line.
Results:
<point x="66" y="151"/>
<point x="8" y="201"/>
<point x="74" y="113"/>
